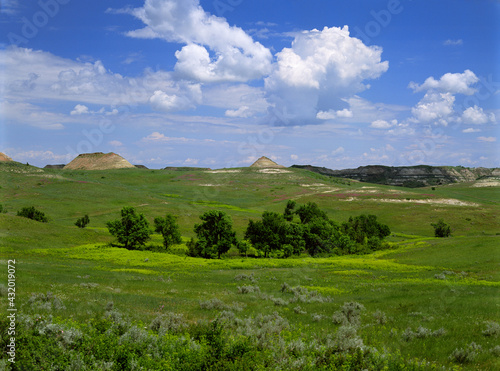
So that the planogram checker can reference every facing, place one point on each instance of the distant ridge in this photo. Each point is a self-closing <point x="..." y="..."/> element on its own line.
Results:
<point x="408" y="176"/>
<point x="98" y="161"/>
<point x="5" y="158"/>
<point x="264" y="162"/>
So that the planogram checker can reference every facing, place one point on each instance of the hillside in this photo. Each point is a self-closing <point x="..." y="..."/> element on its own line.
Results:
<point x="408" y="176"/>
<point x="418" y="301"/>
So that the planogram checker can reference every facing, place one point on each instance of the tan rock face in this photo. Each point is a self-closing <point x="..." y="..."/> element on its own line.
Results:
<point x="266" y="163"/>
<point x="98" y="161"/>
<point x="4" y="157"/>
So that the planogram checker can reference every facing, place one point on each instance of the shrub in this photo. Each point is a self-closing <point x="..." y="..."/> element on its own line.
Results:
<point x="248" y="289"/>
<point x="441" y="229"/>
<point x="466" y="355"/>
<point x="380" y="317"/>
<point x="32" y="213"/>
<point x="350" y="313"/>
<point x="492" y="329"/>
<point x="82" y="222"/>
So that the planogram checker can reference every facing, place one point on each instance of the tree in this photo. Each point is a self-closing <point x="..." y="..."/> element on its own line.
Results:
<point x="82" y="222"/>
<point x="32" y="213"/>
<point x="310" y="212"/>
<point x="268" y="234"/>
<point x="131" y="230"/>
<point x="441" y="229"/>
<point x="288" y="213"/>
<point x="362" y="227"/>
<point x="169" y="229"/>
<point x="215" y="234"/>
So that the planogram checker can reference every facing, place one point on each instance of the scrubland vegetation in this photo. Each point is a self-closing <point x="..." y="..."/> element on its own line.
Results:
<point x="86" y="303"/>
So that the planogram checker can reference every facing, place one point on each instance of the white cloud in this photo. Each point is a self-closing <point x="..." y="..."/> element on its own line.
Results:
<point x="453" y="83"/>
<point x="476" y="116"/>
<point x="434" y="107"/>
<point x="471" y="130"/>
<point x="80" y="109"/>
<point x="332" y="114"/>
<point x="235" y="55"/>
<point x="451" y="42"/>
<point x="487" y="139"/>
<point x="382" y="124"/>
<point x="243" y="111"/>
<point x="338" y="151"/>
<point x="319" y="72"/>
<point x="115" y="143"/>
<point x="294" y="157"/>
<point x="191" y="161"/>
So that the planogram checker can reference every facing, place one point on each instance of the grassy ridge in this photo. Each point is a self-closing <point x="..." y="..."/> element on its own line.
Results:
<point x="422" y="282"/>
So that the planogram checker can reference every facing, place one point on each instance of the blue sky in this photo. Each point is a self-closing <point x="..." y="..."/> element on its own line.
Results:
<point x="219" y="83"/>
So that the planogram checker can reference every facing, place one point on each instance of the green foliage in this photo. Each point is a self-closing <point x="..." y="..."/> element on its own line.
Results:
<point x="32" y="213"/>
<point x="310" y="212"/>
<point x="169" y="229"/>
<point x="215" y="234"/>
<point x="82" y="222"/>
<point x="441" y="229"/>
<point x="363" y="227"/>
<point x="288" y="213"/>
<point x="132" y="230"/>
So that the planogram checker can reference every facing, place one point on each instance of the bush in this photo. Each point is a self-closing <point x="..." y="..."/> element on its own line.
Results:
<point x="466" y="355"/>
<point x="441" y="229"/>
<point x="82" y="222"/>
<point x="32" y="213"/>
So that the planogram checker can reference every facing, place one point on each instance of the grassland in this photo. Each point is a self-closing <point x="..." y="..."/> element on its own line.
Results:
<point x="423" y="299"/>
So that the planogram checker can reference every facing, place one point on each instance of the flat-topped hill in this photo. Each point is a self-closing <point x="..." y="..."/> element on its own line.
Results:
<point x="98" y="161"/>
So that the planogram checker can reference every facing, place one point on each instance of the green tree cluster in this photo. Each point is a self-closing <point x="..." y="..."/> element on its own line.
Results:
<point x="314" y="232"/>
<point x="32" y="213"/>
<point x="83" y="221"/>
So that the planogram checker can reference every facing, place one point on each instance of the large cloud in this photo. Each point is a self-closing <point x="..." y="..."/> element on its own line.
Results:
<point x="318" y="73"/>
<point x="438" y="104"/>
<point x="235" y="56"/>
<point x="454" y="83"/>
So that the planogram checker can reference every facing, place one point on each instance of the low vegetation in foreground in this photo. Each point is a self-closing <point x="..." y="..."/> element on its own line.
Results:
<point x="86" y="303"/>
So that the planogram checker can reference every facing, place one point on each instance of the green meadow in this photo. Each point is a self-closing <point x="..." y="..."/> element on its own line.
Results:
<point x="425" y="303"/>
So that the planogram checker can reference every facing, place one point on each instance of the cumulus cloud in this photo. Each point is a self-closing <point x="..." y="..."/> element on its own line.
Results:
<point x="313" y="78"/>
<point x="382" y="124"/>
<point x="80" y="109"/>
<point x="115" y="143"/>
<point x="214" y="50"/>
<point x="453" y="83"/>
<point x="475" y="115"/>
<point x="332" y="114"/>
<point x="434" y="107"/>
<point x="185" y="98"/>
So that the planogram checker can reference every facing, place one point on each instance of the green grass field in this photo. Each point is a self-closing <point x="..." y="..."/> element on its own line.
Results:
<point x="424" y="299"/>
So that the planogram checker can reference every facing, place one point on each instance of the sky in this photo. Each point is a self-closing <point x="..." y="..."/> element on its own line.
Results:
<point x="220" y="83"/>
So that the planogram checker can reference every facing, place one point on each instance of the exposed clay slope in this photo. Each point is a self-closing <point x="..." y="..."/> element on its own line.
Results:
<point x="266" y="163"/>
<point x="98" y="161"/>
<point x="4" y="157"/>
<point x="409" y="176"/>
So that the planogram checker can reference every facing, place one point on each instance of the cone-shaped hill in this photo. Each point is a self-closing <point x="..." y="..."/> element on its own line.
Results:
<point x="266" y="163"/>
<point x="98" y="161"/>
<point x="4" y="157"/>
